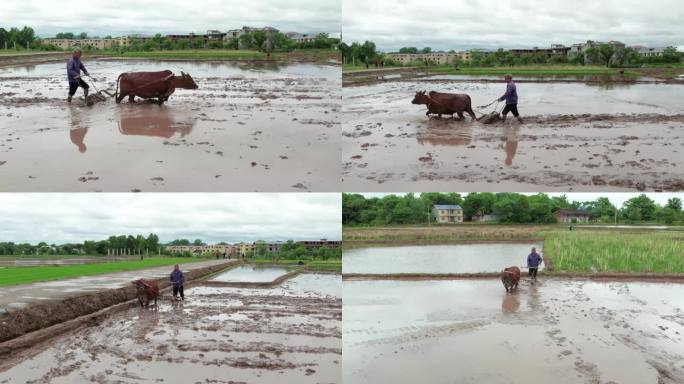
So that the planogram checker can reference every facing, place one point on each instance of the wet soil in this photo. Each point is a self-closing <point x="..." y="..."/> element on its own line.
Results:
<point x="217" y="335"/>
<point x="576" y="136"/>
<point x="248" y="127"/>
<point x="471" y="331"/>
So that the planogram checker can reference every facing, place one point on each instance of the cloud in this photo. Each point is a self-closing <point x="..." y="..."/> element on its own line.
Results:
<point x="122" y="17"/>
<point x="213" y="217"/>
<point x="464" y="24"/>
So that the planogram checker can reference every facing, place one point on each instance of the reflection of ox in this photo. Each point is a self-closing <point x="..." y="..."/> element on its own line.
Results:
<point x="445" y="103"/>
<point x="147" y="290"/>
<point x="151" y="85"/>
<point x="154" y="122"/>
<point x="510" y="277"/>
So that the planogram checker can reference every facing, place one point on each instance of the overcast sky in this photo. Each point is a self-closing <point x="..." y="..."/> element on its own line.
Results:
<point x="464" y="24"/>
<point x="212" y="217"/>
<point x="123" y="17"/>
<point x="617" y="198"/>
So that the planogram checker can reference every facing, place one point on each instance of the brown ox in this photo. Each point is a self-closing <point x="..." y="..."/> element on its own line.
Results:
<point x="445" y="103"/>
<point x="151" y="85"/>
<point x="147" y="290"/>
<point x="510" y="277"/>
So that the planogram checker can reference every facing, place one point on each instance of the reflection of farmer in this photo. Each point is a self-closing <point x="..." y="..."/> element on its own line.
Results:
<point x="511" y="144"/>
<point x="533" y="261"/>
<point x="511" y="97"/>
<point x="74" y="68"/>
<point x="177" y="279"/>
<point x="77" y="136"/>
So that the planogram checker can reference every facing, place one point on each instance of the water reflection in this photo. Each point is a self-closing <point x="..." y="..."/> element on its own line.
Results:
<point x="152" y="120"/>
<point x="79" y="127"/>
<point x="511" y="145"/>
<point x="445" y="132"/>
<point x="510" y="303"/>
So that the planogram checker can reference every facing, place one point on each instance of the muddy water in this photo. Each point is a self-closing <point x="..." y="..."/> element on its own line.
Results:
<point x="250" y="274"/>
<point x="246" y="128"/>
<point x="462" y="258"/>
<point x="223" y="335"/>
<point x="577" y="136"/>
<point x="472" y="332"/>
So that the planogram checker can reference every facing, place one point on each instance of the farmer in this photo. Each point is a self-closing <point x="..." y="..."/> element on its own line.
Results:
<point x="74" y="68"/>
<point x="533" y="261"/>
<point x="511" y="97"/>
<point x="177" y="279"/>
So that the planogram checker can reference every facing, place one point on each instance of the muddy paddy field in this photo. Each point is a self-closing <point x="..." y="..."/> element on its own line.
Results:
<point x="578" y="135"/>
<point x="287" y="334"/>
<point x="249" y="127"/>
<point x="471" y="331"/>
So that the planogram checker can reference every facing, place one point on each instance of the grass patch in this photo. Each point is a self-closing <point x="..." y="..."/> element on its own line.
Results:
<point x="615" y="251"/>
<point x="531" y="70"/>
<point x="26" y="275"/>
<point x="460" y="232"/>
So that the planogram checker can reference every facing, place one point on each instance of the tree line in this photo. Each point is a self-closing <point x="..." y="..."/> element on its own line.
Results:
<point x="138" y="243"/>
<point x="603" y="54"/>
<point x="291" y="250"/>
<point x="16" y="38"/>
<point x="507" y="207"/>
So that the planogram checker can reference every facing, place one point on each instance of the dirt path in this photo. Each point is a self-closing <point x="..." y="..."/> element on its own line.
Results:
<point x="290" y="334"/>
<point x="471" y="331"/>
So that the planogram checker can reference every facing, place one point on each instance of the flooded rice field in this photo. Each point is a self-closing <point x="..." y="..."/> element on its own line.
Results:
<point x="250" y="273"/>
<point x="26" y="262"/>
<point x="470" y="331"/>
<point x="248" y="127"/>
<point x="577" y="136"/>
<point x="437" y="259"/>
<point x="290" y="334"/>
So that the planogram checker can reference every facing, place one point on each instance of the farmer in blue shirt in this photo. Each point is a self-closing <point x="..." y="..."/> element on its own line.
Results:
<point x="533" y="261"/>
<point x="74" y="68"/>
<point x="177" y="279"/>
<point x="511" y="97"/>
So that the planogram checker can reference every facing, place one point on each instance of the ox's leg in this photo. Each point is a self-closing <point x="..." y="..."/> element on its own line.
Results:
<point x="131" y="98"/>
<point x="460" y="115"/>
<point x="120" y="97"/>
<point x="471" y="113"/>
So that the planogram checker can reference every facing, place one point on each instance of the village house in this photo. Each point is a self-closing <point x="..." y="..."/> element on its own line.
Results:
<point x="572" y="216"/>
<point x="649" y="52"/>
<point x="94" y="43"/>
<point x="301" y="37"/>
<point x="447" y="213"/>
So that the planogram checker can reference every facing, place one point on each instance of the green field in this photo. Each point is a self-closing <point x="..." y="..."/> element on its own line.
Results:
<point x="26" y="275"/>
<point x="615" y="251"/>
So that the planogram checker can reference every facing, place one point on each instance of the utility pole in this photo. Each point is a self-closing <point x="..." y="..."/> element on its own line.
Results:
<point x="428" y="215"/>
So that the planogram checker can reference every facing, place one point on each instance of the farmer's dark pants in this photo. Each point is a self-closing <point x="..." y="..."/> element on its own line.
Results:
<point x="533" y="272"/>
<point x="73" y="86"/>
<point x="178" y="289"/>
<point x="511" y="108"/>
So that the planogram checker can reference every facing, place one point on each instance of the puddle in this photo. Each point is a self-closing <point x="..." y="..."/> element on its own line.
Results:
<point x="247" y="128"/>
<point x="461" y="258"/>
<point x="472" y="332"/>
<point x="250" y="274"/>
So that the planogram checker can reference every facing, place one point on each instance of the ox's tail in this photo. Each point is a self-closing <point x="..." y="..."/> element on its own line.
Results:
<point x="469" y="108"/>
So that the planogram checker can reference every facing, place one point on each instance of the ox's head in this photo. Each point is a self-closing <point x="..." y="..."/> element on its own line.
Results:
<point x="140" y="284"/>
<point x="420" y="98"/>
<point x="186" y="81"/>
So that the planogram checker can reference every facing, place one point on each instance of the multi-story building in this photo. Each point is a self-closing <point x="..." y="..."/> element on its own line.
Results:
<point x="572" y="216"/>
<point x="220" y="249"/>
<point x="322" y="243"/>
<point x="649" y="52"/>
<point x="555" y="50"/>
<point x="236" y="33"/>
<point x="445" y="213"/>
<point x="581" y="48"/>
<point x="94" y="43"/>
<point x="301" y="37"/>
